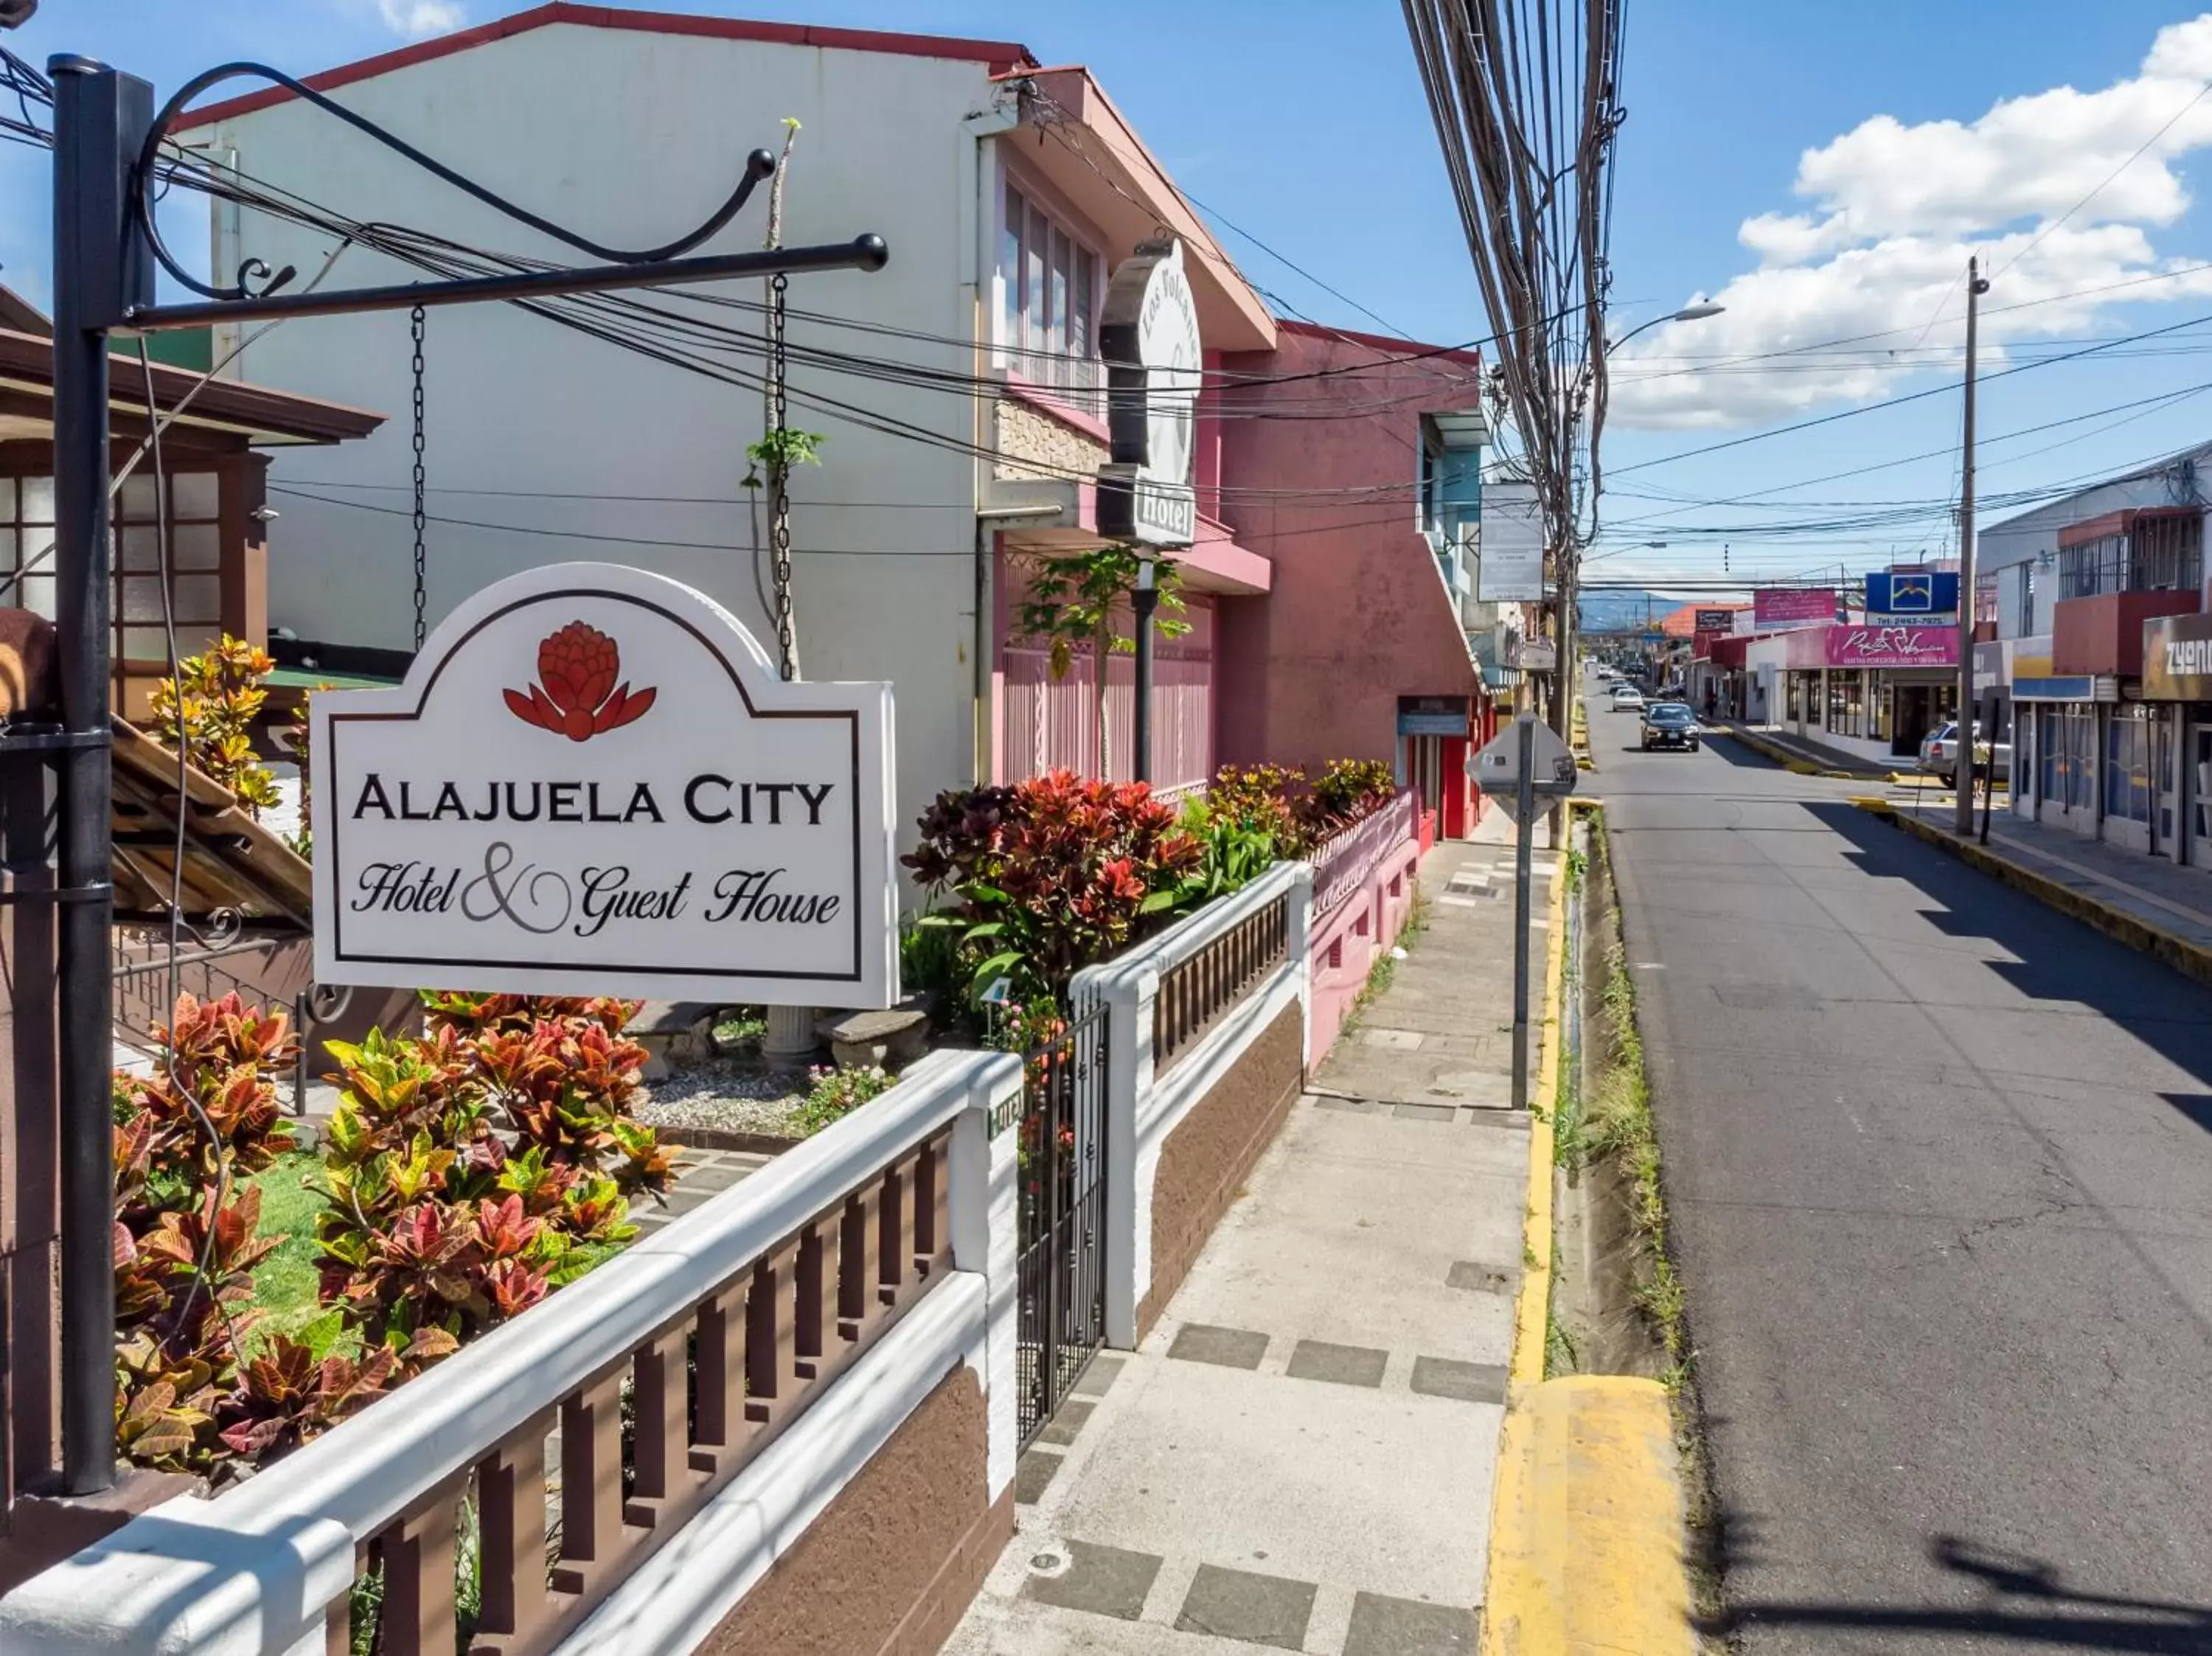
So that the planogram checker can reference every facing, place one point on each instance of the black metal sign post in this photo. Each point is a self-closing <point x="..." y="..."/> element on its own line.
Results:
<point x="107" y="152"/>
<point x="100" y="118"/>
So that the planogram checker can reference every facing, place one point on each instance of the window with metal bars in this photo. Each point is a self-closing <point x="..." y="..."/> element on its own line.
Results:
<point x="2162" y="554"/>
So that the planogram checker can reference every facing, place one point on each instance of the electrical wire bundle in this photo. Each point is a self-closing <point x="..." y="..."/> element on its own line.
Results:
<point x="1524" y="94"/>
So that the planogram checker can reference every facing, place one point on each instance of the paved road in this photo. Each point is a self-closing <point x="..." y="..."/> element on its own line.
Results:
<point x="1939" y="1166"/>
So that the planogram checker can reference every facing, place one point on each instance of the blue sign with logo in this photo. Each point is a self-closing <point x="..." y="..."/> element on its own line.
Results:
<point x="1911" y="592"/>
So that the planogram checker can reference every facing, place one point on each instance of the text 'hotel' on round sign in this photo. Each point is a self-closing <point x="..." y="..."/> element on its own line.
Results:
<point x="594" y="782"/>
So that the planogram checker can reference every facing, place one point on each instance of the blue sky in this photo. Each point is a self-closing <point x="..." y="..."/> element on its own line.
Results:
<point x="1787" y="158"/>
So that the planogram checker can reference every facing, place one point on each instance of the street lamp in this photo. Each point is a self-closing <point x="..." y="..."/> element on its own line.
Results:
<point x="1688" y="314"/>
<point x="1143" y="602"/>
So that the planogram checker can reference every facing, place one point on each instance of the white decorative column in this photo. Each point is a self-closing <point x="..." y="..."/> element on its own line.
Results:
<point x="790" y="1032"/>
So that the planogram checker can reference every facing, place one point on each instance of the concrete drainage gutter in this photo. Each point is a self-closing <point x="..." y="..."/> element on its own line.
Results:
<point x="1588" y="1544"/>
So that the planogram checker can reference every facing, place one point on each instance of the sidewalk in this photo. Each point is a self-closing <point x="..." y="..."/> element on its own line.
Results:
<point x="2146" y="902"/>
<point x="1301" y="1455"/>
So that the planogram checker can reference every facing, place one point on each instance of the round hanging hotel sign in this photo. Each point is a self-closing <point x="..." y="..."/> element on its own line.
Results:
<point x="1148" y="334"/>
<point x="594" y="782"/>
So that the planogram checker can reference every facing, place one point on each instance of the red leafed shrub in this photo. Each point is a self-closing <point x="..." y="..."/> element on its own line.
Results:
<point x="472" y="1171"/>
<point x="1051" y="873"/>
<point x="185" y="1247"/>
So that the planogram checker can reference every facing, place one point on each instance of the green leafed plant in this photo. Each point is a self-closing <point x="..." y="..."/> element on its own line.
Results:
<point x="834" y="1094"/>
<point x="186" y="1243"/>
<point x="209" y="709"/>
<point x="472" y="1171"/>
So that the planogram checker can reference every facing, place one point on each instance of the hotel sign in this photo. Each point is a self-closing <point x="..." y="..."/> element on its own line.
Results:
<point x="592" y="782"/>
<point x="2178" y="658"/>
<point x="1148" y="333"/>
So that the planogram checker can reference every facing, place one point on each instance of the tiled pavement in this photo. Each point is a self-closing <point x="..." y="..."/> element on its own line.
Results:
<point x="1299" y="1456"/>
<point x="699" y="1174"/>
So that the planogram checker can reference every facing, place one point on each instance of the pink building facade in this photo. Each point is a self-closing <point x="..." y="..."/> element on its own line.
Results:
<point x="1360" y="648"/>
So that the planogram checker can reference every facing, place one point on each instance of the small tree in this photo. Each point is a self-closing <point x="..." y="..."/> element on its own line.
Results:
<point x="1073" y="600"/>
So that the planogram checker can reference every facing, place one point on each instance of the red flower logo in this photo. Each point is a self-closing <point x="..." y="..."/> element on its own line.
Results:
<point x="577" y="696"/>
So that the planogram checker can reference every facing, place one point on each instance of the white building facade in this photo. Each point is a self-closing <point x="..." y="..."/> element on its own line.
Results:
<point x="958" y="391"/>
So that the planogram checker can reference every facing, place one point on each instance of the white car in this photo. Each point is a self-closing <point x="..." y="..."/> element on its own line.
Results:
<point x="1939" y="754"/>
<point x="1626" y="698"/>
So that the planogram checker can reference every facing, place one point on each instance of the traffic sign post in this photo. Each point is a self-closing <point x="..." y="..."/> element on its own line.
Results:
<point x="1540" y="766"/>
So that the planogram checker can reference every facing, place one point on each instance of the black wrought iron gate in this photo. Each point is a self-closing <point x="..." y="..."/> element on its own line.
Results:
<point x="1062" y="1276"/>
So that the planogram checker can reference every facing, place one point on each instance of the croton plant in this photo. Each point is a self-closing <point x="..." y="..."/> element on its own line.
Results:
<point x="466" y="1174"/>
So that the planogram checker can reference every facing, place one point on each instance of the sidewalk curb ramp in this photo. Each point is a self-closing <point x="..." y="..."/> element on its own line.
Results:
<point x="1587" y="1538"/>
<point x="1586" y="1532"/>
<point x="2191" y="959"/>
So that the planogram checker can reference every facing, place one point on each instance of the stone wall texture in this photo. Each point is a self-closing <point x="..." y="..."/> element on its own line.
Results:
<point x="1214" y="1147"/>
<point x="1029" y="433"/>
<point x="892" y="1562"/>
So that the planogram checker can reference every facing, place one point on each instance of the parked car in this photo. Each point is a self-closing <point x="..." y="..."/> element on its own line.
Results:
<point x="1670" y="724"/>
<point x="1939" y="754"/>
<point x="1627" y="698"/>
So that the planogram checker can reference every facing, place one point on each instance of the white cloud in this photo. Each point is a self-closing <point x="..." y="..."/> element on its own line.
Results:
<point x="416" y="18"/>
<point x="1892" y="212"/>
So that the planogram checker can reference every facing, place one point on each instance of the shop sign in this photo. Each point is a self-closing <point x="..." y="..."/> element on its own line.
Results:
<point x="594" y="782"/>
<point x="1536" y="655"/>
<point x="1148" y="333"/>
<point x="2178" y="658"/>
<point x="1715" y="621"/>
<point x="1793" y="606"/>
<point x="1432" y="715"/>
<point x="1891" y="646"/>
<point x="1510" y="569"/>
<point x="1911" y="594"/>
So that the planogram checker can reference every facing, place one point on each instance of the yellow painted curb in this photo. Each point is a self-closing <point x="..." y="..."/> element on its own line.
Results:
<point x="2190" y="959"/>
<point x="1532" y="1305"/>
<point x="1587" y="1534"/>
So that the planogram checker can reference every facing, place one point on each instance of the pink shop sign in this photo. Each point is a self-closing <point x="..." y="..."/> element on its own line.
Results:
<point x="1891" y="647"/>
<point x="1784" y="606"/>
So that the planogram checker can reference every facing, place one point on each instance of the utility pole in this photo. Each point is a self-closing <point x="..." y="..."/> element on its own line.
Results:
<point x="1524" y="786"/>
<point x="1963" y="818"/>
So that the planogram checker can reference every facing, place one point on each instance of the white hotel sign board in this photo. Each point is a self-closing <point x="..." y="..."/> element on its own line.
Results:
<point x="592" y="781"/>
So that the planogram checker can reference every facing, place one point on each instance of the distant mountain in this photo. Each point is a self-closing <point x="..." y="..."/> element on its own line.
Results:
<point x="1609" y="612"/>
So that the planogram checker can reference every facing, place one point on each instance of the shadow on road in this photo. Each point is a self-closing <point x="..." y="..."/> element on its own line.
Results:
<point x="1730" y="749"/>
<point x="2054" y="957"/>
<point x="2023" y="1602"/>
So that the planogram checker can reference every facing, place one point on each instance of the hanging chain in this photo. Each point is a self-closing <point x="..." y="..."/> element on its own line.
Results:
<point x="421" y="517"/>
<point x="779" y="486"/>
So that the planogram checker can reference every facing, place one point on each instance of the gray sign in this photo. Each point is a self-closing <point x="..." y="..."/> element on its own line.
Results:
<point x="1496" y="768"/>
